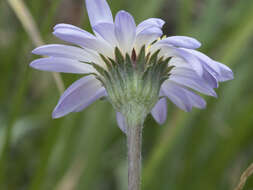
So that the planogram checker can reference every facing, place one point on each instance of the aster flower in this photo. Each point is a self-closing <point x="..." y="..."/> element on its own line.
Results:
<point x="134" y="67"/>
<point x="192" y="70"/>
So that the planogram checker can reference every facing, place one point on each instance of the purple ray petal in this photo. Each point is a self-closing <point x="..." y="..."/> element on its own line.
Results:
<point x="79" y="93"/>
<point x="159" y="112"/>
<point x="218" y="70"/>
<point x="182" y="97"/>
<point x="208" y="63"/>
<point x="65" y="51"/>
<point x="207" y="76"/>
<point x="83" y="39"/>
<point x="226" y="73"/>
<point x="150" y="23"/>
<point x="98" y="11"/>
<point x="167" y="50"/>
<point x="106" y="31"/>
<point x="99" y="94"/>
<point x="190" y="59"/>
<point x="210" y="79"/>
<point x="65" y="65"/>
<point x="125" y="31"/>
<point x="189" y="78"/>
<point x="121" y="122"/>
<point x="69" y="26"/>
<point x="147" y="36"/>
<point x="181" y="41"/>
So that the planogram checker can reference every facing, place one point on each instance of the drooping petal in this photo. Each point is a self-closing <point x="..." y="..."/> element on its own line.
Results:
<point x="121" y="122"/>
<point x="65" y="51"/>
<point x="106" y="31"/>
<point x="226" y="72"/>
<point x="206" y="76"/>
<point x="83" y="39"/>
<point x="125" y="31"/>
<point x="182" y="97"/>
<point x="98" y="11"/>
<point x="150" y="23"/>
<point x="177" y="97"/>
<point x="167" y="50"/>
<point x="189" y="78"/>
<point x="181" y="41"/>
<point x="159" y="112"/>
<point x="220" y="71"/>
<point x="210" y="79"/>
<point x="190" y="59"/>
<point x="64" y="65"/>
<point x="208" y="63"/>
<point x="80" y="93"/>
<point x="99" y="94"/>
<point x="146" y="37"/>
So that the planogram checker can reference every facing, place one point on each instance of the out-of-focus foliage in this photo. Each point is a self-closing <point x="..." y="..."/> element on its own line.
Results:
<point x="201" y="150"/>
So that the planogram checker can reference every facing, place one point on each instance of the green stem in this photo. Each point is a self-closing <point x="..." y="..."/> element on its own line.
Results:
<point x="134" y="138"/>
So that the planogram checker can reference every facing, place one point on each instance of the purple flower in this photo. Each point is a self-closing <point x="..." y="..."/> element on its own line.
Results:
<point x="190" y="70"/>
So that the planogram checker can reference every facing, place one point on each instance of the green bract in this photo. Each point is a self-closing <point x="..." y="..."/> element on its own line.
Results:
<point x="133" y="82"/>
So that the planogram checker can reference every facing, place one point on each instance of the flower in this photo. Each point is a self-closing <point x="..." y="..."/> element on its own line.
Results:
<point x="129" y="65"/>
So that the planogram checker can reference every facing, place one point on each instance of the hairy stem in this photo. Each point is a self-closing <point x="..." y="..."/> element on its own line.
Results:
<point x="134" y="138"/>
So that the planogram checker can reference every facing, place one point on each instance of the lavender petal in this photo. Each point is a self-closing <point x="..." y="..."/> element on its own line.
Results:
<point x="69" y="26"/>
<point x="125" y="31"/>
<point x="98" y="11"/>
<point x="189" y="78"/>
<point x="206" y="61"/>
<point x="159" y="112"/>
<point x="226" y="73"/>
<point x="147" y="36"/>
<point x="190" y="59"/>
<point x="65" y="51"/>
<point x="107" y="32"/>
<point x="182" y="97"/>
<point x="65" y="65"/>
<point x="80" y="93"/>
<point x="150" y="23"/>
<point x="83" y="39"/>
<point x="99" y="94"/>
<point x="121" y="122"/>
<point x="181" y="41"/>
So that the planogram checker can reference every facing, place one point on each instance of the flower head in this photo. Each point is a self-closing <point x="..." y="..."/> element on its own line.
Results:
<point x="133" y="66"/>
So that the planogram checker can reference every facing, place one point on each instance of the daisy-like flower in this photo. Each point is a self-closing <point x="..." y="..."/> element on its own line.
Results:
<point x="134" y="67"/>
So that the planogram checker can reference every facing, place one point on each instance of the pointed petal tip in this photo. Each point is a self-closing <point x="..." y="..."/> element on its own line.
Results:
<point x="159" y="111"/>
<point x="55" y="113"/>
<point x="121" y="122"/>
<point x="36" y="51"/>
<point x="33" y="64"/>
<point x="214" y="94"/>
<point x="59" y="25"/>
<point x="198" y="44"/>
<point x="54" y="33"/>
<point x="204" y="105"/>
<point x="161" y="22"/>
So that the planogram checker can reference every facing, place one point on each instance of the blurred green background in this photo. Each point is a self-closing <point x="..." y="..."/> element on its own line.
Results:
<point x="201" y="150"/>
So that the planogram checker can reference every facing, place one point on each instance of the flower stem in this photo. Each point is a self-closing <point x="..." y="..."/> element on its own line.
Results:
<point x="134" y="138"/>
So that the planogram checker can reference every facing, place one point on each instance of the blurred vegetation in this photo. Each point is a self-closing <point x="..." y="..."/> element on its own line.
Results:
<point x="201" y="150"/>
